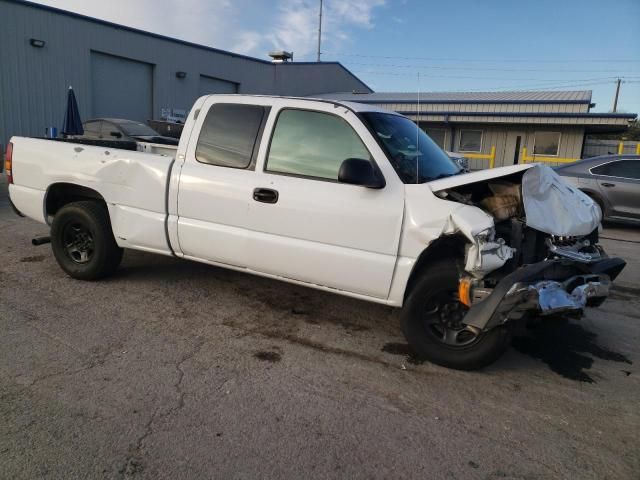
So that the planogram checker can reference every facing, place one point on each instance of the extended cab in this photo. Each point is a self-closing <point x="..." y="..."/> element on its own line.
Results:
<point x="337" y="196"/>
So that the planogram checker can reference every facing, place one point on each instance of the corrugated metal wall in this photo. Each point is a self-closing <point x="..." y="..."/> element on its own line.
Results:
<point x="34" y="81"/>
<point x="570" y="142"/>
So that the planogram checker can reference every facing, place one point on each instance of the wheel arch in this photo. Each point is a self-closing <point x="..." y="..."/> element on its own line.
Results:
<point x="62" y="193"/>
<point x="448" y="246"/>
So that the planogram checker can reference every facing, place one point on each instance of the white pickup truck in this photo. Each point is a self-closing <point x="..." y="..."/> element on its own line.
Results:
<point x="337" y="196"/>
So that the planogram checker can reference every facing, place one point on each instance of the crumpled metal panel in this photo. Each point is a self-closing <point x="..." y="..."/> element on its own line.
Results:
<point x="554" y="207"/>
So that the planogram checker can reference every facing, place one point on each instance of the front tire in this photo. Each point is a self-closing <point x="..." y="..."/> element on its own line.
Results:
<point x="82" y="241"/>
<point x="431" y="321"/>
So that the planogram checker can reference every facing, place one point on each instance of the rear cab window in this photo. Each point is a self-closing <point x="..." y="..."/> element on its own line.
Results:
<point x="230" y="135"/>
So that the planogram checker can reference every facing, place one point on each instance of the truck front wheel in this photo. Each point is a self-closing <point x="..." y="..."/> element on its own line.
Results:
<point x="431" y="321"/>
<point x="82" y="241"/>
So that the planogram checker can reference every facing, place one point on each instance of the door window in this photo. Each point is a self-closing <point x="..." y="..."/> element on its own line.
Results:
<point x="229" y="135"/>
<point x="107" y="129"/>
<point x="621" y="169"/>
<point x="92" y="129"/>
<point x="312" y="144"/>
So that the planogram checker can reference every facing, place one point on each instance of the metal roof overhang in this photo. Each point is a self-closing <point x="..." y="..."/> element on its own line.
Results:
<point x="593" y="122"/>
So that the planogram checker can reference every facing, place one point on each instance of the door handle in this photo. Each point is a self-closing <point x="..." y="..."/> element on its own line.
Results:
<point x="265" y="195"/>
<point x="608" y="184"/>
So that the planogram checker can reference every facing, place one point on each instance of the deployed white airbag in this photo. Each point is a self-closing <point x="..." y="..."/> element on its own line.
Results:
<point x="554" y="207"/>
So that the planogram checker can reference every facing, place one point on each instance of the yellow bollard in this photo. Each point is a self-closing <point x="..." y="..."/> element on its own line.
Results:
<point x="620" y="148"/>
<point x="638" y="148"/>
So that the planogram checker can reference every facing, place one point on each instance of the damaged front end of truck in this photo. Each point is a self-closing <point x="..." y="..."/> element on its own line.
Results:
<point x="532" y="247"/>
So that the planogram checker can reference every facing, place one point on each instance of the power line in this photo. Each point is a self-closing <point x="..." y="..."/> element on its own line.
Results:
<point x="512" y="60"/>
<point x="545" y="86"/>
<point x="494" y="69"/>
<point x="476" y="77"/>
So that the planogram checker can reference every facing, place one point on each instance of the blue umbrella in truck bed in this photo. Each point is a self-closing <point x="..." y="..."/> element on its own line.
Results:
<point x="72" y="124"/>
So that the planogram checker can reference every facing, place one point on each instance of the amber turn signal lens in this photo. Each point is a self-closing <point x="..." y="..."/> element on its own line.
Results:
<point x="8" y="160"/>
<point x="464" y="291"/>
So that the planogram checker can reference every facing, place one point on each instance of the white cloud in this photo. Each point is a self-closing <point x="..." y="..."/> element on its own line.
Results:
<point x="243" y="26"/>
<point x="297" y="27"/>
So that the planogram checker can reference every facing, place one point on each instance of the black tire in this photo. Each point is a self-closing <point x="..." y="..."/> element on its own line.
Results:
<point x="82" y="241"/>
<point x="438" y="334"/>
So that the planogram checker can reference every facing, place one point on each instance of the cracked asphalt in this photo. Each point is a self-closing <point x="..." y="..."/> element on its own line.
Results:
<point x="174" y="370"/>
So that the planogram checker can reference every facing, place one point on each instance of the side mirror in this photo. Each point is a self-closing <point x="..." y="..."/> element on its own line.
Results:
<point x="115" y="134"/>
<point x="357" y="171"/>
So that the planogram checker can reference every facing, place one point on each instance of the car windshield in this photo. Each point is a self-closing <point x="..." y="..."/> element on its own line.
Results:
<point x="414" y="156"/>
<point x="136" y="129"/>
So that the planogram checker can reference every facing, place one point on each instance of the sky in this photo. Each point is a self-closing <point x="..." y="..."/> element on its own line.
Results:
<point x="411" y="45"/>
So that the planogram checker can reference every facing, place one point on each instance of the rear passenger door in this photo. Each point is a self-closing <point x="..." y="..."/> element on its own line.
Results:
<point x="215" y="182"/>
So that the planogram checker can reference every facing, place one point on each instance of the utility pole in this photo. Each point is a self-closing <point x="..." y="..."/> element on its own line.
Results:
<point x="319" y="31"/>
<point x="615" y="99"/>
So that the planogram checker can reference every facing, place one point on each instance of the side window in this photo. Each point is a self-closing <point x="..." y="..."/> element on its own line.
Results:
<point x="92" y="129"/>
<point x="229" y="133"/>
<point x="312" y="144"/>
<point x="621" y="168"/>
<point x="107" y="128"/>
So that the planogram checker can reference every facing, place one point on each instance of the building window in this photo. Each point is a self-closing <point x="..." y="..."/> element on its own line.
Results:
<point x="437" y="135"/>
<point x="229" y="135"/>
<point x="312" y="144"/>
<point x="546" y="143"/>
<point x="470" y="141"/>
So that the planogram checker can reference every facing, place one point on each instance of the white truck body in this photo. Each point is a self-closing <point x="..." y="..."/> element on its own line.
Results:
<point x="367" y="235"/>
<point x="346" y="238"/>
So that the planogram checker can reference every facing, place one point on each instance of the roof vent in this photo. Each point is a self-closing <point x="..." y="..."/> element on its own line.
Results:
<point x="280" y="56"/>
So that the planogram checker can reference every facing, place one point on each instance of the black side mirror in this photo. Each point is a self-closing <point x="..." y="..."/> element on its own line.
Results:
<point x="116" y="134"/>
<point x="357" y="171"/>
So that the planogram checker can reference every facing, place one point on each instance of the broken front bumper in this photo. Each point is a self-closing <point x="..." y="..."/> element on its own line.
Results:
<point x="545" y="288"/>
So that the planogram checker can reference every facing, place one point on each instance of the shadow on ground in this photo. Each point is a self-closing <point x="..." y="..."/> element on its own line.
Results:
<point x="567" y="347"/>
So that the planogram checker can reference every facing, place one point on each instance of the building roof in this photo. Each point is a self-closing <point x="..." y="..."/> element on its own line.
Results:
<point x="573" y="96"/>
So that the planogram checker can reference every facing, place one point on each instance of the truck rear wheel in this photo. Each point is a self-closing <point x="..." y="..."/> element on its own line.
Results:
<point x="82" y="241"/>
<point x="431" y="321"/>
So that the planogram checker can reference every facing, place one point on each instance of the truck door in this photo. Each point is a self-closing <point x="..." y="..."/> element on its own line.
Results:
<point x="306" y="226"/>
<point x="215" y="182"/>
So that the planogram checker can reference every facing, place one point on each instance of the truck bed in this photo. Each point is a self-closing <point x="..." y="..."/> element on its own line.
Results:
<point x="132" y="183"/>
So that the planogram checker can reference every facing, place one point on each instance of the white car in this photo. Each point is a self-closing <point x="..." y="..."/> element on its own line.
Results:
<point x="337" y="196"/>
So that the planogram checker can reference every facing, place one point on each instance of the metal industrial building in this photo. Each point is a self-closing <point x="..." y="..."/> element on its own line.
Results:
<point x="502" y="128"/>
<point x="118" y="71"/>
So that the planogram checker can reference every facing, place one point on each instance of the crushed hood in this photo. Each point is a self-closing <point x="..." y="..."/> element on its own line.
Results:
<point x="554" y="207"/>
<point x="475" y="177"/>
<point x="550" y="205"/>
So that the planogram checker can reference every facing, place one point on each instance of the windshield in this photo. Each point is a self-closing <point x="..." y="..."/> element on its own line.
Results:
<point x="414" y="156"/>
<point x="135" y="129"/>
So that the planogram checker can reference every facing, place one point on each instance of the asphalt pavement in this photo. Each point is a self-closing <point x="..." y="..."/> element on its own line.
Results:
<point x="172" y="370"/>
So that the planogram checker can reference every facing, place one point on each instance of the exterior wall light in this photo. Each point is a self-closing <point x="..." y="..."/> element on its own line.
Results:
<point x="181" y="74"/>
<point x="37" y="43"/>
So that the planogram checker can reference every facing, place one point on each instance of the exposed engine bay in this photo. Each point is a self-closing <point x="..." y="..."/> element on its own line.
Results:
<point x="537" y="218"/>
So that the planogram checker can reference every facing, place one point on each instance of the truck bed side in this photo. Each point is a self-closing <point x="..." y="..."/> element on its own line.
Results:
<point x="133" y="185"/>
